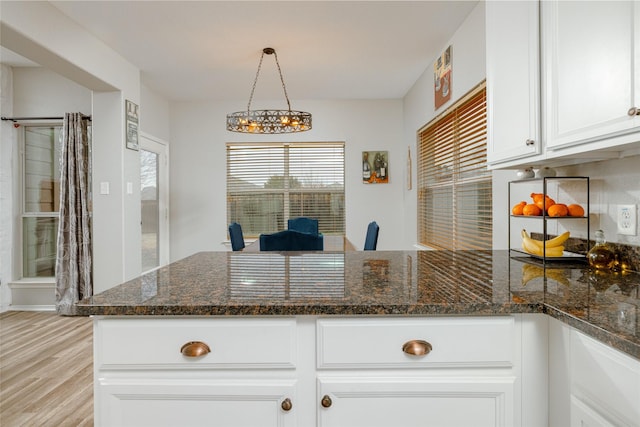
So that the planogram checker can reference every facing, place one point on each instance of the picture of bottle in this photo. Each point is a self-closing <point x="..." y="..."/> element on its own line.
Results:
<point x="366" y="167"/>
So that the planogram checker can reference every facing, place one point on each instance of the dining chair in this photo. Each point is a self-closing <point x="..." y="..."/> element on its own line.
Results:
<point x="237" y="238"/>
<point x="291" y="240"/>
<point x="304" y="224"/>
<point x="371" y="240"/>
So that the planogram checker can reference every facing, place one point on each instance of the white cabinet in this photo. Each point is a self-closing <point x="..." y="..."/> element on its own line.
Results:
<point x="590" y="383"/>
<point x="186" y="400"/>
<point x="245" y="377"/>
<point x="417" y="401"/>
<point x="324" y="371"/>
<point x="513" y="81"/>
<point x="591" y="78"/>
<point x="367" y="378"/>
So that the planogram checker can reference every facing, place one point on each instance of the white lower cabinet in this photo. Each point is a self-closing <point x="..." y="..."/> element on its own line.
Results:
<point x="164" y="402"/>
<point x="244" y="377"/>
<point x="450" y="401"/>
<point x="465" y="373"/>
<point x="323" y="371"/>
<point x="591" y="384"/>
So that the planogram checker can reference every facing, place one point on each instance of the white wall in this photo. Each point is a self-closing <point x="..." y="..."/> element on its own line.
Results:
<point x="198" y="204"/>
<point x="468" y="68"/>
<point x="7" y="193"/>
<point x="154" y="114"/>
<point x="40" y="32"/>
<point x="198" y="168"/>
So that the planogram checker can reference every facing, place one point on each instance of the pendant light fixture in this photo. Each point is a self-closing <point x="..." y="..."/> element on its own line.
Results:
<point x="268" y="121"/>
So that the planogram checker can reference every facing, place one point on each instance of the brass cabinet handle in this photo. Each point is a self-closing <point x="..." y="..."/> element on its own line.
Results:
<point x="529" y="142"/>
<point x="417" y="347"/>
<point x="286" y="405"/>
<point x="634" y="111"/>
<point x="195" y="349"/>
<point x="326" y="401"/>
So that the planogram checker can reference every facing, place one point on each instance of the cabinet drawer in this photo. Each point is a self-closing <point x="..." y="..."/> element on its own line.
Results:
<point x="378" y="343"/>
<point x="155" y="343"/>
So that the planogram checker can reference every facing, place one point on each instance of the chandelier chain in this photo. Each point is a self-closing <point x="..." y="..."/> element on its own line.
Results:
<point x="255" y="81"/>
<point x="271" y="121"/>
<point x="284" y="88"/>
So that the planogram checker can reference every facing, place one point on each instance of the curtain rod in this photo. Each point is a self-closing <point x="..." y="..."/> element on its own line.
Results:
<point x="17" y="119"/>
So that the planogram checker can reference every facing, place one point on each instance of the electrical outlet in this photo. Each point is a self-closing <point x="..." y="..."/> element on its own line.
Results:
<point x="627" y="221"/>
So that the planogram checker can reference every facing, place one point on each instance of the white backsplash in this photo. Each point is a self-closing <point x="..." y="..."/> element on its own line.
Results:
<point x="613" y="182"/>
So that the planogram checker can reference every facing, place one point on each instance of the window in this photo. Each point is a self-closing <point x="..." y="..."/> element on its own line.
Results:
<point x="41" y="194"/>
<point x="41" y="197"/>
<point x="268" y="183"/>
<point x="454" y="185"/>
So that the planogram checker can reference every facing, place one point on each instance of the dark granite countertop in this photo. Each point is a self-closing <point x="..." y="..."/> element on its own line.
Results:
<point x="605" y="306"/>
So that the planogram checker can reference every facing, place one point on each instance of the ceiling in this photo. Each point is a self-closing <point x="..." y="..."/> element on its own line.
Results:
<point x="209" y="50"/>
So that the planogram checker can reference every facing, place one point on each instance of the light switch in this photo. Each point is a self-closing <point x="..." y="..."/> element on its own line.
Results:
<point x="104" y="188"/>
<point x="129" y="187"/>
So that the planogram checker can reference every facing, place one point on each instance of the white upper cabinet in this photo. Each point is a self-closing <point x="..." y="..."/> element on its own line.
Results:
<point x="513" y="88"/>
<point x="591" y="79"/>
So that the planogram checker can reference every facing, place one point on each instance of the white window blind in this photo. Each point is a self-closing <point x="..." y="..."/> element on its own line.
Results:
<point x="268" y="183"/>
<point x="454" y="185"/>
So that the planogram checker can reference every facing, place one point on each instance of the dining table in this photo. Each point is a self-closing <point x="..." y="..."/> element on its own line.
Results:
<point x="332" y="243"/>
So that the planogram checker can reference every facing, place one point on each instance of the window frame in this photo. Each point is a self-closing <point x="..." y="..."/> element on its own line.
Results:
<point x="466" y="171"/>
<point x="23" y="213"/>
<point x="288" y="194"/>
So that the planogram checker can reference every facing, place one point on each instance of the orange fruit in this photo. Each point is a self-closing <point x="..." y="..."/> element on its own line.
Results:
<point x="548" y="201"/>
<point x="531" y="210"/>
<point x="536" y="197"/>
<point x="575" y="210"/>
<point x="558" y="210"/>
<point x="517" y="209"/>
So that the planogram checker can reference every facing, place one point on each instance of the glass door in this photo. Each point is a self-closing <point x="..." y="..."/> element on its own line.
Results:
<point x="154" y="196"/>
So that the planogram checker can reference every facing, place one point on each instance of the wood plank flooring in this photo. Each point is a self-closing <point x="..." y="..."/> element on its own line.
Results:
<point x="46" y="370"/>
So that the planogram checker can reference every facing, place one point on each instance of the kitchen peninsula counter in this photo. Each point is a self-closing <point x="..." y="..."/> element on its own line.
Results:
<point x="605" y="306"/>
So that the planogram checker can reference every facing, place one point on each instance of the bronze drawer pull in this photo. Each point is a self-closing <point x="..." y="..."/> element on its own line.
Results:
<point x="286" y="405"/>
<point x="195" y="349"/>
<point x="529" y="142"/>
<point x="326" y="401"/>
<point x="634" y="111"/>
<point x="417" y="347"/>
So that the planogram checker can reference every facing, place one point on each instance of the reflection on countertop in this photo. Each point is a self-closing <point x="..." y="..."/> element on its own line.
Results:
<point x="602" y="304"/>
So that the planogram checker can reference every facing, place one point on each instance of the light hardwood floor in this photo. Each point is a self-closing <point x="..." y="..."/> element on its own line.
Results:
<point x="46" y="370"/>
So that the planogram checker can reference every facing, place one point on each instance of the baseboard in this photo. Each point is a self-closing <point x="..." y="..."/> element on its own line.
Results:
<point x="32" y="308"/>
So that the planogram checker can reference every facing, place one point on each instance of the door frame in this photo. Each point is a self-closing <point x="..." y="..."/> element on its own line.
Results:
<point x="160" y="147"/>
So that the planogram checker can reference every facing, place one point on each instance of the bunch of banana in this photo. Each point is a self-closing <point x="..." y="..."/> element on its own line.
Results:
<point x="530" y="272"/>
<point x="551" y="248"/>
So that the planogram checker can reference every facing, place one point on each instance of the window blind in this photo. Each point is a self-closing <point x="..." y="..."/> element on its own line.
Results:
<point x="268" y="183"/>
<point x="454" y="185"/>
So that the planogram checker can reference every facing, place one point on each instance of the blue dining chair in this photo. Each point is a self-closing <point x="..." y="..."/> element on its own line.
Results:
<point x="304" y="224"/>
<point x="371" y="241"/>
<point x="291" y="240"/>
<point x="237" y="238"/>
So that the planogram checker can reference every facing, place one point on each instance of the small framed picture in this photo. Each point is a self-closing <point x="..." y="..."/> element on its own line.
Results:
<point x="131" y="120"/>
<point x="375" y="167"/>
<point x="442" y="78"/>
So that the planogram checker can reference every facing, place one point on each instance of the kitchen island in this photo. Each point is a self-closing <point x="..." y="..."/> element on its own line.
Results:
<point x="343" y="338"/>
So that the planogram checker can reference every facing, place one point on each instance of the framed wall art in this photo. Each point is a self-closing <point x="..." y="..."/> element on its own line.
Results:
<point x="131" y="123"/>
<point x="375" y="167"/>
<point x="442" y="78"/>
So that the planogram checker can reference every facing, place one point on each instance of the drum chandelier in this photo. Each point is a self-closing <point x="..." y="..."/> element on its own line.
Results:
<point x="269" y="121"/>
